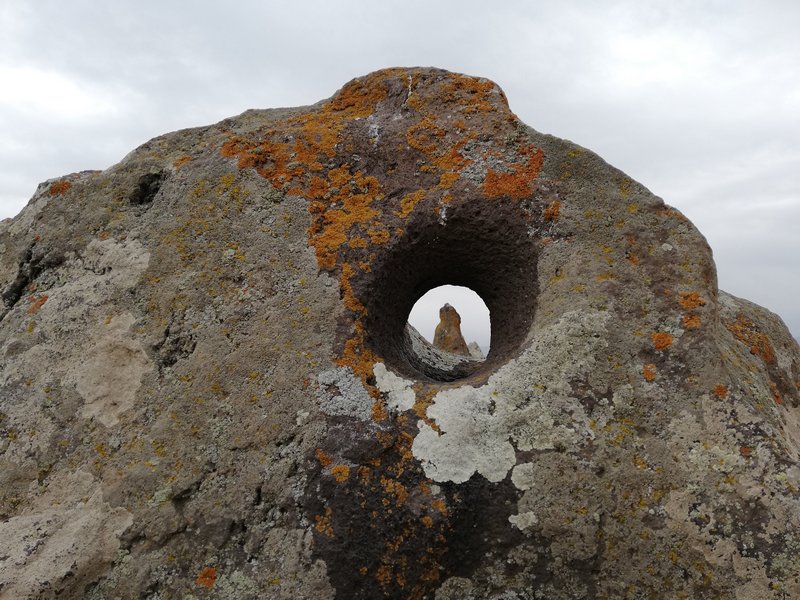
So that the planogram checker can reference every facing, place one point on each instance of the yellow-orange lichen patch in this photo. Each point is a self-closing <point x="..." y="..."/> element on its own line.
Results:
<point x="425" y="135"/>
<point x="691" y="321"/>
<point x="447" y="179"/>
<point x="672" y="214"/>
<point x="649" y="372"/>
<point x="340" y="472"/>
<point x="395" y="489"/>
<point x="518" y="183"/>
<point x="721" y="391"/>
<point x="776" y="395"/>
<point x="323" y="458"/>
<point x="349" y="297"/>
<point x="661" y="340"/>
<point x="552" y="211"/>
<point x="439" y="505"/>
<point x="379" y="236"/>
<point x="452" y="160"/>
<point x="691" y="300"/>
<point x="360" y="360"/>
<point x="745" y="331"/>
<point x="409" y="201"/>
<point x="332" y="227"/>
<point x="181" y="161"/>
<point x="207" y="577"/>
<point x="59" y="188"/>
<point x="358" y="98"/>
<point x="36" y="303"/>
<point x="471" y="93"/>
<point x="322" y="523"/>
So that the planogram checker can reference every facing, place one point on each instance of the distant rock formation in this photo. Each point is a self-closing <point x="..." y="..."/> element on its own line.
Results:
<point x="448" y="336"/>
<point x="475" y="351"/>
<point x="208" y="388"/>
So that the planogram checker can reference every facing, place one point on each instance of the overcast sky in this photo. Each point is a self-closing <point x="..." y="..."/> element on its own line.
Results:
<point x="698" y="100"/>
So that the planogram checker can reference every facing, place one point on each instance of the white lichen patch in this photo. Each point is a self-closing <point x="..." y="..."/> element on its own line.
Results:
<point x="527" y="404"/>
<point x="524" y="476"/>
<point x="121" y="262"/>
<point x="524" y="520"/>
<point x="111" y="372"/>
<point x="69" y="531"/>
<point x="472" y="439"/>
<point x="340" y="393"/>
<point x="398" y="390"/>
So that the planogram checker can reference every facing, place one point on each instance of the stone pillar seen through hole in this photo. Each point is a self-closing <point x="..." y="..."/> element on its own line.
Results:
<point x="475" y="325"/>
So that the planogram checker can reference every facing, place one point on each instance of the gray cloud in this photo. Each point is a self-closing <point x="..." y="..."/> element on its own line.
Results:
<point x="698" y="100"/>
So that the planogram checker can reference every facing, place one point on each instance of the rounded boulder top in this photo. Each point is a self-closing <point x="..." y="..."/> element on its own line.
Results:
<point x="209" y="387"/>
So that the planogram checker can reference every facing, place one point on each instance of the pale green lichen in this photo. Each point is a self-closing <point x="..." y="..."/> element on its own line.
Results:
<point x="523" y="405"/>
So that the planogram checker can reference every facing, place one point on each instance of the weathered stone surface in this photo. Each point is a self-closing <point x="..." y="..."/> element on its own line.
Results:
<point x="447" y="335"/>
<point x="208" y="389"/>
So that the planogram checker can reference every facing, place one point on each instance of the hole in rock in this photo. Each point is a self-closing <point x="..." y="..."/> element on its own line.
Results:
<point x="469" y="321"/>
<point x="146" y="188"/>
<point x="486" y="248"/>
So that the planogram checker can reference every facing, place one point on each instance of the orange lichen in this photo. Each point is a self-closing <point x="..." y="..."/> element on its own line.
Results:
<point x="409" y="201"/>
<point x="323" y="458"/>
<point x="721" y="391"/>
<point x="447" y="179"/>
<point x="384" y="576"/>
<point x="776" y="395"/>
<point x="517" y="184"/>
<point x="349" y="297"/>
<point x="396" y="489"/>
<point x="746" y="332"/>
<point x="425" y="135"/>
<point x="439" y="505"/>
<point x="181" y="161"/>
<point x="207" y="577"/>
<point x="340" y="472"/>
<point x="379" y="236"/>
<point x="59" y="188"/>
<point x="745" y="451"/>
<point x="451" y="160"/>
<point x="427" y="521"/>
<point x="673" y="214"/>
<point x="552" y="211"/>
<point x="322" y="523"/>
<point x="331" y="230"/>
<point x="649" y="372"/>
<point x="661" y="340"/>
<point x="36" y="303"/>
<point x="691" y="300"/>
<point x="691" y="321"/>
<point x="471" y="93"/>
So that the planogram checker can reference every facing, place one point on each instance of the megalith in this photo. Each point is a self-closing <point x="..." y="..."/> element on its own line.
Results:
<point x="208" y="388"/>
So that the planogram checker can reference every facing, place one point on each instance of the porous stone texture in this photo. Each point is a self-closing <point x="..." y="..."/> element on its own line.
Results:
<point x="448" y="336"/>
<point x="208" y="388"/>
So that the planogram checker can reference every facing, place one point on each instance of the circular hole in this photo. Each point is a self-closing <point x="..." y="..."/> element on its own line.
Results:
<point x="493" y="253"/>
<point x="473" y="319"/>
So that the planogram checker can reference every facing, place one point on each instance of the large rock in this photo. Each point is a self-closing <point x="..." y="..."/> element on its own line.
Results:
<point x="447" y="335"/>
<point x="209" y="390"/>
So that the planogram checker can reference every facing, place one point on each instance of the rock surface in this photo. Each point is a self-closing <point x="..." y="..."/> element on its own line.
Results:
<point x="448" y="336"/>
<point x="475" y="351"/>
<point x="208" y="390"/>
